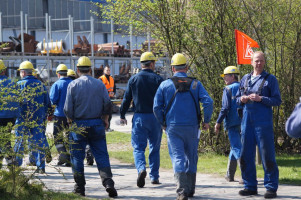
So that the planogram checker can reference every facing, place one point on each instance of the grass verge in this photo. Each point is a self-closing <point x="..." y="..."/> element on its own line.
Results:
<point x="119" y="147"/>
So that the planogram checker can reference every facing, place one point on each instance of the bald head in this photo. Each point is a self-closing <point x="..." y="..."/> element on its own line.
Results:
<point x="256" y="53"/>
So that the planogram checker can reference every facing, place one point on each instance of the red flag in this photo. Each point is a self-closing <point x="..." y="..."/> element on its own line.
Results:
<point x="244" y="46"/>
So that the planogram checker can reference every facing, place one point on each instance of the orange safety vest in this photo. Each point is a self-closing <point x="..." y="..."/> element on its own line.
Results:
<point x="109" y="85"/>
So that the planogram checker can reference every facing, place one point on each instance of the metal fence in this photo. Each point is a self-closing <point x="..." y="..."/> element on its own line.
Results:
<point x="36" y="9"/>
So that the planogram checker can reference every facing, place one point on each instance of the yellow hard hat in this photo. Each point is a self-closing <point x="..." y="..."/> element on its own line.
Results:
<point x="2" y="66"/>
<point x="61" y="67"/>
<point x="178" y="59"/>
<point x="26" y="65"/>
<point x="84" y="61"/>
<point x="147" y="56"/>
<point x="230" y="70"/>
<point x="70" y="72"/>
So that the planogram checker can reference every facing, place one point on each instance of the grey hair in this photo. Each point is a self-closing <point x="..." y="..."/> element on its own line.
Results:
<point x="27" y="71"/>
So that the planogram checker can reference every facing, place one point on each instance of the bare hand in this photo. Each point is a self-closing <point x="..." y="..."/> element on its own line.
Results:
<point x="255" y="97"/>
<point x="106" y="123"/>
<point x="123" y="122"/>
<point x="205" y="126"/>
<point x="50" y="118"/>
<point x="244" y="99"/>
<point x="217" y="128"/>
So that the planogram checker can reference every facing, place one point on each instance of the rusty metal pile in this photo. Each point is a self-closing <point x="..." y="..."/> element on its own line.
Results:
<point x="15" y="45"/>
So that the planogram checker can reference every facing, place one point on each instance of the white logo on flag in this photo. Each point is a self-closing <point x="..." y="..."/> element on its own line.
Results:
<point x="248" y="52"/>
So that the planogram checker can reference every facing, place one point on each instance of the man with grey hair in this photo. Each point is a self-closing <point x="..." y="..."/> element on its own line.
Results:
<point x="176" y="107"/>
<point x="257" y="94"/>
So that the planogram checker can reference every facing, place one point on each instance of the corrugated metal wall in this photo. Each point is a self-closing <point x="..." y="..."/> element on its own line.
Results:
<point x="36" y="9"/>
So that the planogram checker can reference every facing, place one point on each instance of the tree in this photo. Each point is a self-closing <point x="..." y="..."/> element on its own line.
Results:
<point x="204" y="31"/>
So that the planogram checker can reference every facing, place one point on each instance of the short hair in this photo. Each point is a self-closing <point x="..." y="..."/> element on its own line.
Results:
<point x="83" y="69"/>
<point x="179" y="66"/>
<point x="62" y="73"/>
<point x="27" y="71"/>
<point x="147" y="63"/>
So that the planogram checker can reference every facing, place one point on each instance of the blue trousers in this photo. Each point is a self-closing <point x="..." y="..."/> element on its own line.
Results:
<point x="94" y="135"/>
<point x="235" y="142"/>
<point x="257" y="128"/>
<point x="145" y="127"/>
<point x="37" y="143"/>
<point x="183" y="144"/>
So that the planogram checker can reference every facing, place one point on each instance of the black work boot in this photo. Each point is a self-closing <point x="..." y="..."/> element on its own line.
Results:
<point x="79" y="187"/>
<point x="141" y="179"/>
<point x="232" y="165"/>
<point x="191" y="178"/>
<point x="182" y="185"/>
<point x="270" y="194"/>
<point x="107" y="181"/>
<point x="246" y="192"/>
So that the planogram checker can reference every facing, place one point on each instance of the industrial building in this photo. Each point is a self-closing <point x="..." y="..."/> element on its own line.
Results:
<point x="61" y="31"/>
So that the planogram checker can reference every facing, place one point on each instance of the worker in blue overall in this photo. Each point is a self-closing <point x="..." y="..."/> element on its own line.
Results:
<point x="293" y="123"/>
<point x="141" y="88"/>
<point x="33" y="108"/>
<point x="8" y="112"/>
<point x="177" y="108"/>
<point x="231" y="119"/>
<point x="57" y="96"/>
<point x="258" y="92"/>
<point x="88" y="107"/>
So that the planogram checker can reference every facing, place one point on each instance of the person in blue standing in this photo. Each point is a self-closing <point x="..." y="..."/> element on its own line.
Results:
<point x="176" y="107"/>
<point x="231" y="119"/>
<point x="293" y="123"/>
<point x="8" y="111"/>
<point x="33" y="108"/>
<point x="258" y="93"/>
<point x="141" y="88"/>
<point x="88" y="106"/>
<point x="57" y="96"/>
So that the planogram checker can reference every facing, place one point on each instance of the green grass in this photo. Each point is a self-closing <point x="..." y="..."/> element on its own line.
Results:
<point x="209" y="163"/>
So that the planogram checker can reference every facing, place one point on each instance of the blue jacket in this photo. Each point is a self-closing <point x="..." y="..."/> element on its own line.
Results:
<point x="8" y="89"/>
<point x="293" y="123"/>
<point x="228" y="111"/>
<point x="57" y="95"/>
<point x="141" y="89"/>
<point x="182" y="110"/>
<point x="36" y="100"/>
<point x="87" y="98"/>
<point x="270" y="91"/>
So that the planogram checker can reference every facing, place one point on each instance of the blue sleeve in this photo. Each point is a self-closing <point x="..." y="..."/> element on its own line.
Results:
<point x="158" y="107"/>
<point x="206" y="101"/>
<point x="293" y="123"/>
<point x="240" y="91"/>
<point x="127" y="99"/>
<point x="68" y="106"/>
<point x="54" y="94"/>
<point x="225" y="106"/>
<point x="274" y="99"/>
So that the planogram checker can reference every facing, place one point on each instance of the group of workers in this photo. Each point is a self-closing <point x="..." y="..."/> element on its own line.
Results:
<point x="172" y="105"/>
